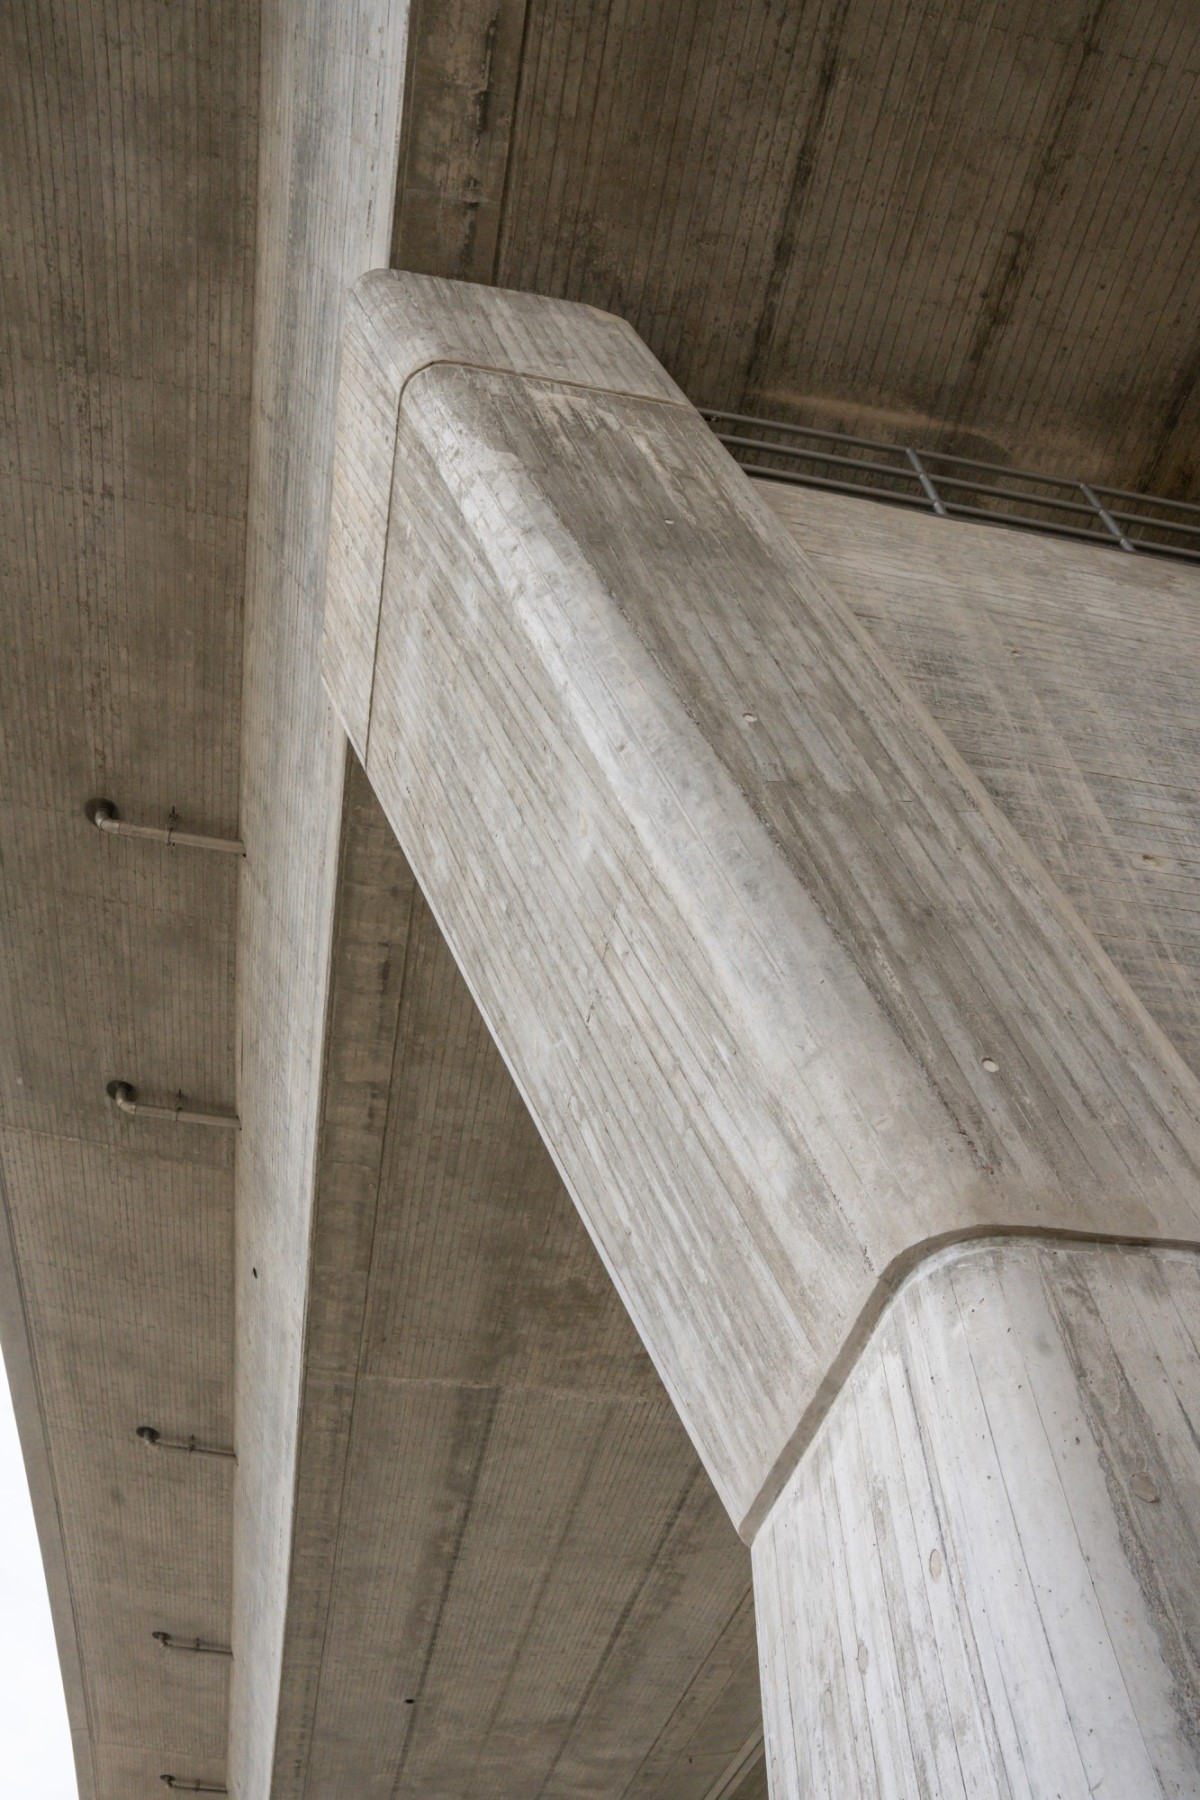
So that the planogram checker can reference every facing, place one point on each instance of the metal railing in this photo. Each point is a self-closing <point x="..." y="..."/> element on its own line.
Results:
<point x="958" y="487"/>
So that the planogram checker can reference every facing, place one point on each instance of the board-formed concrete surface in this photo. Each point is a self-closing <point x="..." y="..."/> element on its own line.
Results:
<point x="330" y="110"/>
<point x="407" y="1428"/>
<point x="1066" y="677"/>
<point x="981" y="1581"/>
<point x="130" y="216"/>
<point x="794" y="1007"/>
<point x="509" y="1569"/>
<point x="128" y="213"/>
<point x="610" y="704"/>
<point x="965" y="227"/>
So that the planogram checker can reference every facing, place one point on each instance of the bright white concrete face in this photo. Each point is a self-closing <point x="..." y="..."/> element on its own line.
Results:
<point x="787" y="996"/>
<point x="981" y="1580"/>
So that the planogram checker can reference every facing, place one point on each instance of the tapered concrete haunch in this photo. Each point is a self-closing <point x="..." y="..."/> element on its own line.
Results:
<point x="789" y="1000"/>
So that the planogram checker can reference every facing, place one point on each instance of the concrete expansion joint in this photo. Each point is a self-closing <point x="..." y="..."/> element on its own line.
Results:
<point x="123" y="1095"/>
<point x="904" y="1271"/>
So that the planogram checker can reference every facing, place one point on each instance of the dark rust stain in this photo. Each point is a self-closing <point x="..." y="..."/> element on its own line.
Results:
<point x="1172" y="468"/>
<point x="802" y="174"/>
<point x="477" y="1419"/>
<point x="1003" y="291"/>
<point x="483" y="95"/>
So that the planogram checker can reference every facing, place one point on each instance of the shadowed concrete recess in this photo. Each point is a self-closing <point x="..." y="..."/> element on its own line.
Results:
<point x="468" y="1545"/>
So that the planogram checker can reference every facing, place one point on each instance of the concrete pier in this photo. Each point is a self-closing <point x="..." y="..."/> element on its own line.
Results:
<point x="796" y="1010"/>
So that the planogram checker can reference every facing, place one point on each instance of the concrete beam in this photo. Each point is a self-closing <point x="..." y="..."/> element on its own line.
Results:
<point x="330" y="109"/>
<point x="788" y="998"/>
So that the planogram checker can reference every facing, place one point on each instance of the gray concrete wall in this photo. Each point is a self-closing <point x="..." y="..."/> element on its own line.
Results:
<point x="1066" y="676"/>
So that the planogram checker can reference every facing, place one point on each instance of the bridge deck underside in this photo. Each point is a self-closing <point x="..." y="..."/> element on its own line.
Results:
<point x="983" y="234"/>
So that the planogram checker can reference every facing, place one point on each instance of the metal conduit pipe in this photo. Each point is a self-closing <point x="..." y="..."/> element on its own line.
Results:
<point x="150" y="1434"/>
<point x="183" y="1785"/>
<point x="195" y="1646"/>
<point x="105" y="817"/>
<point x="123" y="1094"/>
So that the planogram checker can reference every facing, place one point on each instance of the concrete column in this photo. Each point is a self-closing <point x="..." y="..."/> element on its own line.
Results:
<point x="982" y="1577"/>
<point x="789" y="1000"/>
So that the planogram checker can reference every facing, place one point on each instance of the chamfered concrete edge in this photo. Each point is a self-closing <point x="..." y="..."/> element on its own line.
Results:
<point x="910" y="1266"/>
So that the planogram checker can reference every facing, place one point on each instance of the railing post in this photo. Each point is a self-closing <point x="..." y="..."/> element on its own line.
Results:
<point x="926" y="481"/>
<point x="1106" y="518"/>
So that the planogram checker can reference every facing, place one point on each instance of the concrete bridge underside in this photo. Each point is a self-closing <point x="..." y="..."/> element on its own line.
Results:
<point x="467" y="1545"/>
